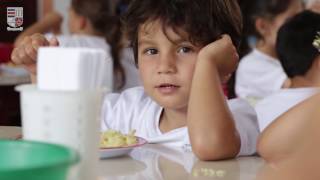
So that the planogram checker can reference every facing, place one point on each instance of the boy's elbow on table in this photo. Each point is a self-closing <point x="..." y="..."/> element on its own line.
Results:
<point x="215" y="151"/>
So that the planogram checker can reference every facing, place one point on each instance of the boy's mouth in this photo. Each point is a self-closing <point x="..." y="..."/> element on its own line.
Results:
<point x="167" y="88"/>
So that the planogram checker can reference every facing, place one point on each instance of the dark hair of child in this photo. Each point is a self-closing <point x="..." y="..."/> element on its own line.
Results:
<point x="103" y="19"/>
<point x="294" y="43"/>
<point x="204" y="21"/>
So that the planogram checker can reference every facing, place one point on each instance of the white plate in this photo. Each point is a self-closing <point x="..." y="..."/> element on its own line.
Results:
<point x="120" y="151"/>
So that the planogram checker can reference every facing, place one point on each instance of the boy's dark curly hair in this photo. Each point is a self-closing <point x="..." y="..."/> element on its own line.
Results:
<point x="203" y="20"/>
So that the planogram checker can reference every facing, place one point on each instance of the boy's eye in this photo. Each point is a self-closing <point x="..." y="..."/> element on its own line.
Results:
<point x="184" y="50"/>
<point x="151" y="51"/>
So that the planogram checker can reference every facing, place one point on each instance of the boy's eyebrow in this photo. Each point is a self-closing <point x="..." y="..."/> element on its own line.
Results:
<point x="174" y="41"/>
<point x="179" y="40"/>
<point x="145" y="41"/>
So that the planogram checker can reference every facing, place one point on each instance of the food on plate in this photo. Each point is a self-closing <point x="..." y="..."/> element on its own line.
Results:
<point x="113" y="138"/>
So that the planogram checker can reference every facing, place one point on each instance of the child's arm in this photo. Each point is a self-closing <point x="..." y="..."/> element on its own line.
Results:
<point x="51" y="22"/>
<point x="26" y="52"/>
<point x="286" y="136"/>
<point x="211" y="127"/>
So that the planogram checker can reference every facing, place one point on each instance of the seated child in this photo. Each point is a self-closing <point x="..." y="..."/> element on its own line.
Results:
<point x="91" y="24"/>
<point x="182" y="59"/>
<point x="300" y="60"/>
<point x="260" y="73"/>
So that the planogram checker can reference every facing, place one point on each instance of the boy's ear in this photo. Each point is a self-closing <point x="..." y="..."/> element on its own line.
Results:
<point x="262" y="26"/>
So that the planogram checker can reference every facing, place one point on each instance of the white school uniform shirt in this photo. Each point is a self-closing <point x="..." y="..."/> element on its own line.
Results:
<point x="278" y="103"/>
<point x="258" y="76"/>
<point x="134" y="109"/>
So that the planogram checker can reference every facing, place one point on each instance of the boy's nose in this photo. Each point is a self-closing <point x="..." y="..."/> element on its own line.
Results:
<point x="167" y="65"/>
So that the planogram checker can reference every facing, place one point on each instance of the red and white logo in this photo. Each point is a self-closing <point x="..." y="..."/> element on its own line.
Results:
<point x="15" y="18"/>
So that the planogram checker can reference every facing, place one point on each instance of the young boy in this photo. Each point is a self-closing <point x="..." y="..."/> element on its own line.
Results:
<point x="182" y="54"/>
<point x="301" y="62"/>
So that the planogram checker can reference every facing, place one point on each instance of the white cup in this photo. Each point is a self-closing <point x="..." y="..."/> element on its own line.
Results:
<point x="70" y="118"/>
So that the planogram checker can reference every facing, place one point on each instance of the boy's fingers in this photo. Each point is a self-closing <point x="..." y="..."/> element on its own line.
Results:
<point x="23" y="56"/>
<point x="31" y="52"/>
<point x="14" y="58"/>
<point x="38" y="40"/>
<point x="26" y="52"/>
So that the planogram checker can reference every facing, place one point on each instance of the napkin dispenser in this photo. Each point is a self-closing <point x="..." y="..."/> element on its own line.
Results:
<point x="72" y="69"/>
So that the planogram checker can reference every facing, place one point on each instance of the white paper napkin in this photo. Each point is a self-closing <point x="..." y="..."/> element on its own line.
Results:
<point x="73" y="69"/>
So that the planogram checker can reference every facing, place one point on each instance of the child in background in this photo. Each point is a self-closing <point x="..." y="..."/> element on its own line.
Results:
<point x="292" y="136"/>
<point x="91" y="24"/>
<point x="300" y="60"/>
<point x="182" y="59"/>
<point x="259" y="73"/>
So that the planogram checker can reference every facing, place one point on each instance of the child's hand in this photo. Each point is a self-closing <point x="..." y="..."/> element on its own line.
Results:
<point x="26" y="52"/>
<point x="223" y="53"/>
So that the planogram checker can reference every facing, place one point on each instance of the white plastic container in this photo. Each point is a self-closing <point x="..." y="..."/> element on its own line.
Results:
<point x="69" y="118"/>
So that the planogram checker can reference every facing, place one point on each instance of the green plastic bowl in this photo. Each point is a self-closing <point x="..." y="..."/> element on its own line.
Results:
<point x="28" y="160"/>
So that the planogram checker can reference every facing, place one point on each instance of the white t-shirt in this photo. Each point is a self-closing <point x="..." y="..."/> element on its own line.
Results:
<point x="278" y="103"/>
<point x="258" y="76"/>
<point x="134" y="109"/>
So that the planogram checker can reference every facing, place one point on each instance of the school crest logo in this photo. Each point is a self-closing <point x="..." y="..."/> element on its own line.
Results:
<point x="15" y="18"/>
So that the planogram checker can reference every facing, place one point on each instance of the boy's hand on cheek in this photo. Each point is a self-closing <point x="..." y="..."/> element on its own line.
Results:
<point x="223" y="54"/>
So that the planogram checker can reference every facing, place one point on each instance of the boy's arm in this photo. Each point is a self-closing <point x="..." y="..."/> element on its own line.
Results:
<point x="289" y="133"/>
<point x="51" y="22"/>
<point x="211" y="127"/>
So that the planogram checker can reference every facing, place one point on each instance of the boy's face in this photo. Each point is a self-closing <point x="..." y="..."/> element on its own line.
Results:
<point x="166" y="65"/>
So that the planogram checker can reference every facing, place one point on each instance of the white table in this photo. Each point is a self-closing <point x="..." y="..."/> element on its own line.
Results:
<point x="157" y="162"/>
<point x="10" y="76"/>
